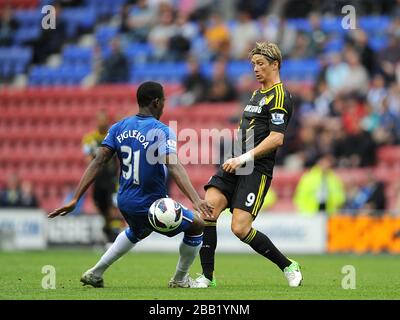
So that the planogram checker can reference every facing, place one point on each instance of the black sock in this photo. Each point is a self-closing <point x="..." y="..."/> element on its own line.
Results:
<point x="263" y="245"/>
<point x="207" y="251"/>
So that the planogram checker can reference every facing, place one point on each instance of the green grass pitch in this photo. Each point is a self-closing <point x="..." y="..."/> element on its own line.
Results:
<point x="240" y="276"/>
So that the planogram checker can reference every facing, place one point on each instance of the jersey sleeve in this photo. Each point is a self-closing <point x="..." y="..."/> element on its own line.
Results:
<point x="281" y="112"/>
<point x="109" y="140"/>
<point x="167" y="143"/>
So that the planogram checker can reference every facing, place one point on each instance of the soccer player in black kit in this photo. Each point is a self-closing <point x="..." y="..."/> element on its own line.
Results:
<point x="264" y="121"/>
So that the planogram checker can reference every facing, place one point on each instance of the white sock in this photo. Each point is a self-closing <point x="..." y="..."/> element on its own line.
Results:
<point x="186" y="258"/>
<point x="120" y="246"/>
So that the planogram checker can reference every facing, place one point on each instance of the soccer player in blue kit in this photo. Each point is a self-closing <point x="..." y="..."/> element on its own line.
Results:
<point x="146" y="148"/>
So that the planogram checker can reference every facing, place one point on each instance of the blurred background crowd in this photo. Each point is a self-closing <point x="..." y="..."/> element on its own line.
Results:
<point x="341" y="152"/>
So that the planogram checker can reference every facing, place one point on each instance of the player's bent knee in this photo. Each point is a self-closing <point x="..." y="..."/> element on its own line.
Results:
<point x="240" y="230"/>
<point x="197" y="226"/>
<point x="218" y="200"/>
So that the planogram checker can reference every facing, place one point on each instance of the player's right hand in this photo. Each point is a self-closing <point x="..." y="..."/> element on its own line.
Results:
<point x="63" y="210"/>
<point x="205" y="208"/>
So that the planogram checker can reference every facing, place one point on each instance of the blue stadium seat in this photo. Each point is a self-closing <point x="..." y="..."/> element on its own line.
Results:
<point x="139" y="53"/>
<point x="77" y="55"/>
<point x="334" y="44"/>
<point x="374" y="24"/>
<point x="236" y="69"/>
<point x="332" y="25"/>
<point x="164" y="72"/>
<point x="378" y="43"/>
<point x="27" y="33"/>
<point x="13" y="60"/>
<point x="301" y="24"/>
<point x="300" y="70"/>
<point x="63" y="75"/>
<point x="105" y="7"/>
<point x="27" y="18"/>
<point x="79" y="18"/>
<point x="105" y="33"/>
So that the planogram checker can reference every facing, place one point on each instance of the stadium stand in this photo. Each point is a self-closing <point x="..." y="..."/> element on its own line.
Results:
<point x="41" y="126"/>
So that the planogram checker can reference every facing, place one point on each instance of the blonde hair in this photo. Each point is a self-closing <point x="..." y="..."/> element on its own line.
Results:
<point x="269" y="50"/>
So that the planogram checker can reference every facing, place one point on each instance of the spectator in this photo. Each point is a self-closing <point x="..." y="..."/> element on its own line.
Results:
<point x="358" y="149"/>
<point x="318" y="37"/>
<point x="359" y="41"/>
<point x="370" y="198"/>
<point x="141" y="18"/>
<point x="51" y="40"/>
<point x="105" y="183"/>
<point x="377" y="92"/>
<point x="115" y="68"/>
<point x="278" y="30"/>
<point x="301" y="49"/>
<point x="220" y="88"/>
<point x="320" y="189"/>
<point x="388" y="58"/>
<point x="195" y="85"/>
<point x="8" y="26"/>
<point x="357" y="76"/>
<point x="11" y="195"/>
<point x="217" y="36"/>
<point x="28" y="198"/>
<point x="323" y="100"/>
<point x="336" y="72"/>
<point x="388" y="129"/>
<point x="123" y="18"/>
<point x="180" y="43"/>
<point x="243" y="36"/>
<point x="161" y="33"/>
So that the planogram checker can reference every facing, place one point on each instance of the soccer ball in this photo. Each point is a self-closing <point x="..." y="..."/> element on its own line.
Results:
<point x="165" y="214"/>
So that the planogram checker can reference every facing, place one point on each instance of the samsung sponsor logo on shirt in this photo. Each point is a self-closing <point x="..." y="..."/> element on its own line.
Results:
<point x="251" y="108"/>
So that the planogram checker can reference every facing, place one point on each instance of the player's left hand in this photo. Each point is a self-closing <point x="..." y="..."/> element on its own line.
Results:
<point x="205" y="208"/>
<point x="232" y="164"/>
<point x="63" y="210"/>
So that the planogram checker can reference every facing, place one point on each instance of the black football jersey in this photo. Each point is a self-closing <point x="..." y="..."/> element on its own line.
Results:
<point x="268" y="110"/>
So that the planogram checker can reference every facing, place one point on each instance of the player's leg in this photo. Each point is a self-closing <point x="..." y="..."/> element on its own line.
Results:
<point x="124" y="242"/>
<point x="207" y="253"/>
<point x="188" y="250"/>
<point x="259" y="242"/>
<point x="103" y="201"/>
<point x="247" y="202"/>
<point x="242" y="228"/>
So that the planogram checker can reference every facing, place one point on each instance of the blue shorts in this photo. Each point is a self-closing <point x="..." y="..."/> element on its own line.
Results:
<point x="140" y="227"/>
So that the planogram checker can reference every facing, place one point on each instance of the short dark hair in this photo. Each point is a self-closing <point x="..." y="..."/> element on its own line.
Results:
<point x="147" y="92"/>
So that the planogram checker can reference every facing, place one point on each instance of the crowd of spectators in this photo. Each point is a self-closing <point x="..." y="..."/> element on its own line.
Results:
<point x="349" y="111"/>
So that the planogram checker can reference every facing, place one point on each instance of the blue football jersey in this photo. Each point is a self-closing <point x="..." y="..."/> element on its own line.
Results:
<point x="140" y="143"/>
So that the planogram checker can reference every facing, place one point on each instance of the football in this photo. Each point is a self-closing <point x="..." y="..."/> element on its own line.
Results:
<point x="165" y="214"/>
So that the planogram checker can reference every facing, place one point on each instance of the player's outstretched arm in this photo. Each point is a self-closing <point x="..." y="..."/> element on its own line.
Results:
<point x="270" y="143"/>
<point x="103" y="155"/>
<point x="181" y="178"/>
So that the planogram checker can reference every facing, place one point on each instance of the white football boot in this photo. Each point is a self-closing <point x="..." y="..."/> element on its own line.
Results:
<point x="293" y="274"/>
<point x="89" y="278"/>
<point x="202" y="279"/>
<point x="187" y="282"/>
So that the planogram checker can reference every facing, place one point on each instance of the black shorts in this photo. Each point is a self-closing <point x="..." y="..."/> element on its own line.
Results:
<point x="103" y="200"/>
<point x="246" y="192"/>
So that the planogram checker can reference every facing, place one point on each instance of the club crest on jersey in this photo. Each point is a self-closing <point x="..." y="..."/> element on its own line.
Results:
<point x="171" y="143"/>
<point x="277" y="118"/>
<point x="265" y="100"/>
